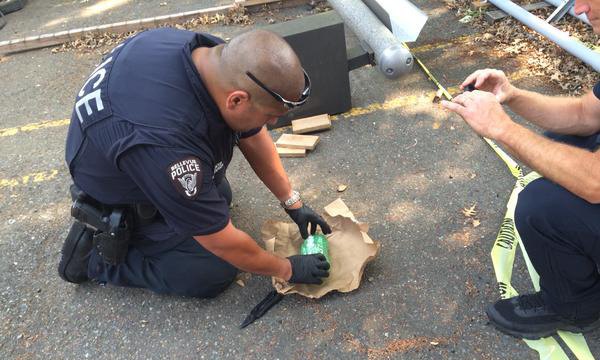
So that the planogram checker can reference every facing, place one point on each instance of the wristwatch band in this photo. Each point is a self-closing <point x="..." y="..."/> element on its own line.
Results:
<point x="292" y="200"/>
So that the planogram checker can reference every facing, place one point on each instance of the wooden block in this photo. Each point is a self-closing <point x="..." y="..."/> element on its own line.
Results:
<point x="310" y="124"/>
<point x="290" y="141"/>
<point x="291" y="153"/>
<point x="492" y="16"/>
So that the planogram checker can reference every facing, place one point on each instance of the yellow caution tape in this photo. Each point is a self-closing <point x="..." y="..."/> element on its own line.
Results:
<point x="503" y="255"/>
<point x="504" y="251"/>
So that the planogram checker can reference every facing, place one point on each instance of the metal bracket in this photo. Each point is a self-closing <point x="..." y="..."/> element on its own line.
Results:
<point x="560" y="11"/>
<point x="360" y="55"/>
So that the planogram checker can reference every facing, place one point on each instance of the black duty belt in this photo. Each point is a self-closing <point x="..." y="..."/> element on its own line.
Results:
<point x="111" y="224"/>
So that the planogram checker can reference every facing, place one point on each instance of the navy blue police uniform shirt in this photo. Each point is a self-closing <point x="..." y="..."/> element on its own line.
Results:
<point x="145" y="130"/>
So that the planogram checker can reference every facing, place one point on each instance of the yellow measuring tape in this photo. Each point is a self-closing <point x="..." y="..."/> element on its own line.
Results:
<point x="504" y="251"/>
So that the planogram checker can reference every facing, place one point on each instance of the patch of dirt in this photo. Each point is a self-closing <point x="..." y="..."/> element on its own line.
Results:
<point x="540" y="57"/>
<point x="403" y="345"/>
<point x="89" y="42"/>
<point x="394" y="346"/>
<point x="238" y="15"/>
<point x="471" y="289"/>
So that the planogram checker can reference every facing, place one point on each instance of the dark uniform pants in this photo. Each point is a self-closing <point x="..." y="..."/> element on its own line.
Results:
<point x="561" y="233"/>
<point x="177" y="265"/>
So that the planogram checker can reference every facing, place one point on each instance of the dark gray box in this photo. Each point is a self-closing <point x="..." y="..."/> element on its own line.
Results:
<point x="320" y="42"/>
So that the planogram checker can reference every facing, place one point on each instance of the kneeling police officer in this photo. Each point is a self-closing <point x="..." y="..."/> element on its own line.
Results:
<point x="150" y="139"/>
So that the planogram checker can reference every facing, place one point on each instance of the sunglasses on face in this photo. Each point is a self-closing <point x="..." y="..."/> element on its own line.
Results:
<point x="287" y="103"/>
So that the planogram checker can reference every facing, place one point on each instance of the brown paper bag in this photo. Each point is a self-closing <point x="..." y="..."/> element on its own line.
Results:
<point x="350" y="249"/>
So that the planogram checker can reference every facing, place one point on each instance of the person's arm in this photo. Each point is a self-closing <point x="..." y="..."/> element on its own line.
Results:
<point x="577" y="170"/>
<point x="261" y="154"/>
<point x="196" y="207"/>
<point x="563" y="115"/>
<point x="239" y="249"/>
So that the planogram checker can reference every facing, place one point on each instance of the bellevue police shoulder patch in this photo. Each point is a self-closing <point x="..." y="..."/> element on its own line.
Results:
<point x="186" y="176"/>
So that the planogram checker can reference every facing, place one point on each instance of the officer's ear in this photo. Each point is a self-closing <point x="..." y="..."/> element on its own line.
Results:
<point x="237" y="99"/>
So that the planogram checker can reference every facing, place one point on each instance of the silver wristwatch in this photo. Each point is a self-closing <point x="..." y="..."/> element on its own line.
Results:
<point x="292" y="200"/>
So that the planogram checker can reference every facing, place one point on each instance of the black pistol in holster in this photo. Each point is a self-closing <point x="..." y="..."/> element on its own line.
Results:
<point x="110" y="225"/>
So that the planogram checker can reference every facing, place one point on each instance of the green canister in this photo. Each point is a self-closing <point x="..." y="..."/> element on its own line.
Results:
<point x="316" y="244"/>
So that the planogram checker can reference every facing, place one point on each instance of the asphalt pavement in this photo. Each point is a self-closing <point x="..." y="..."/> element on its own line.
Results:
<point x="410" y="168"/>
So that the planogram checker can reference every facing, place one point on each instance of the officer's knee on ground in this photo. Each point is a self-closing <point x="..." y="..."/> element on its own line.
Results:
<point x="203" y="282"/>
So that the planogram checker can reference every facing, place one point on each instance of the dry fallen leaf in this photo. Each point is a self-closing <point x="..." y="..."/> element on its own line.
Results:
<point x="476" y="222"/>
<point x="434" y="343"/>
<point x="342" y="188"/>
<point x="508" y="38"/>
<point x="480" y="3"/>
<point x="241" y="278"/>
<point x="469" y="212"/>
<point x="237" y="15"/>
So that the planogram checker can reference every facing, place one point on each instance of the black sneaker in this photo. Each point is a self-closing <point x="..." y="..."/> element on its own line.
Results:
<point x="528" y="317"/>
<point x="75" y="254"/>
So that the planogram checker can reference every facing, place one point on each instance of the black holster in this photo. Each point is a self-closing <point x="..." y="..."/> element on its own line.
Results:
<point x="111" y="225"/>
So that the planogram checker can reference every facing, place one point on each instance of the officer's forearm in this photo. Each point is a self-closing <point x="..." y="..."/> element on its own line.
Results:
<point x="240" y="250"/>
<point x="558" y="114"/>
<point x="575" y="169"/>
<point x="262" y="156"/>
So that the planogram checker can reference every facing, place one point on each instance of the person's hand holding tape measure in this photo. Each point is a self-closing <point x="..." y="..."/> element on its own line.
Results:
<point x="480" y="104"/>
<point x="490" y="80"/>
<point x="482" y="111"/>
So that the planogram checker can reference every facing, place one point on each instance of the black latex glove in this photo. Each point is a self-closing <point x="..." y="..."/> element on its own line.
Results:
<point x="304" y="216"/>
<point x="309" y="269"/>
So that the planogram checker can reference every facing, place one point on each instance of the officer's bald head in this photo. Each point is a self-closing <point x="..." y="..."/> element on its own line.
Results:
<point x="270" y="59"/>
